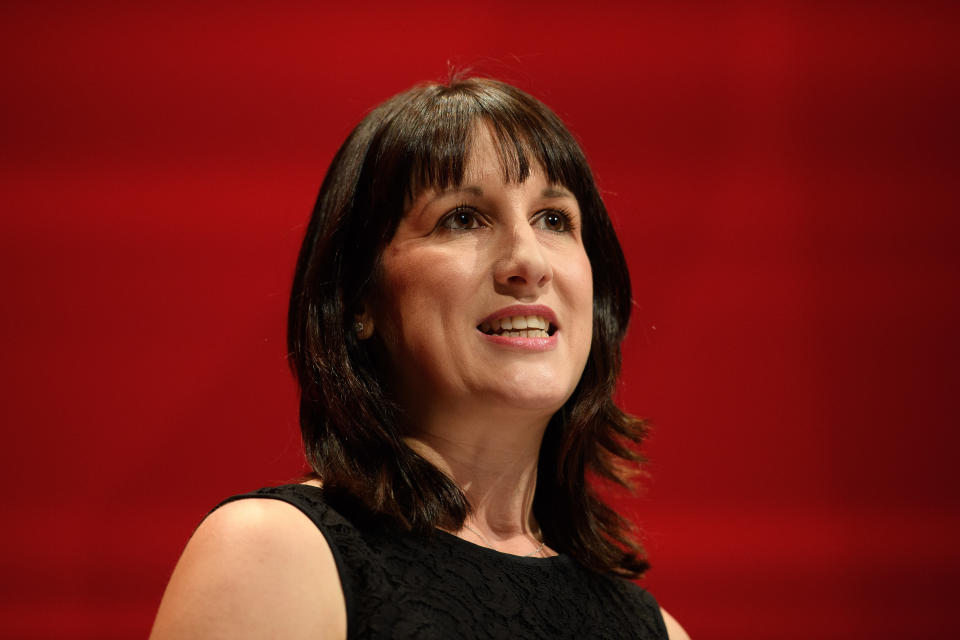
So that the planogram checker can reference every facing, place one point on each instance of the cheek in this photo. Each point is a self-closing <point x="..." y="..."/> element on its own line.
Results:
<point x="395" y="307"/>
<point x="579" y="277"/>
<point x="419" y="291"/>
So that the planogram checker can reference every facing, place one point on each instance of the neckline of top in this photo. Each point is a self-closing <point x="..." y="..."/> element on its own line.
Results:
<point x="472" y="547"/>
<point x="479" y="549"/>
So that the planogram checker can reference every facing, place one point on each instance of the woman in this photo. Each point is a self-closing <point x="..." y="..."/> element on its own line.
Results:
<point x="455" y="327"/>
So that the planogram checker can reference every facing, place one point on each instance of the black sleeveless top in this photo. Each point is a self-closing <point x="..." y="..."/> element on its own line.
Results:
<point x="402" y="585"/>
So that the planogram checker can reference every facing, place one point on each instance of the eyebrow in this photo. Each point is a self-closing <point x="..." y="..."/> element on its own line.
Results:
<point x="477" y="191"/>
<point x="556" y="192"/>
<point x="553" y="191"/>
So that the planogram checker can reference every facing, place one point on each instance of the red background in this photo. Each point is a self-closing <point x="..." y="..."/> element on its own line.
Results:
<point x="784" y="180"/>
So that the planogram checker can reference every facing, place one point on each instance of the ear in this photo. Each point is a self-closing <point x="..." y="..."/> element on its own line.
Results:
<point x="363" y="325"/>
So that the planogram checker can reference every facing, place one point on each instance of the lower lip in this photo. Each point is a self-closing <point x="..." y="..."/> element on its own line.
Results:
<point x="522" y="344"/>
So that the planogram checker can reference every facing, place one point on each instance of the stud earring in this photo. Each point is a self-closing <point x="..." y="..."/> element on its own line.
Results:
<point x="363" y="327"/>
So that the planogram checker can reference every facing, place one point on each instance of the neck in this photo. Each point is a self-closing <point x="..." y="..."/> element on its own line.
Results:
<point x="493" y="459"/>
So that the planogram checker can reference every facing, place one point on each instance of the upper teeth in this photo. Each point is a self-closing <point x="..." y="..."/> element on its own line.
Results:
<point x="515" y="323"/>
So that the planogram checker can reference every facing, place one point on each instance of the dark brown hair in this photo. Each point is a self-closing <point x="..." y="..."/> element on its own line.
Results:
<point x="352" y="430"/>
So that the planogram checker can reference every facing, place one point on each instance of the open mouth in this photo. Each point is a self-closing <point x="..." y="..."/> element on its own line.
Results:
<point x="518" y="327"/>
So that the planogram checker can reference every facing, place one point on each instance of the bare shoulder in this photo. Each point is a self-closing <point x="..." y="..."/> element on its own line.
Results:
<point x="255" y="568"/>
<point x="674" y="630"/>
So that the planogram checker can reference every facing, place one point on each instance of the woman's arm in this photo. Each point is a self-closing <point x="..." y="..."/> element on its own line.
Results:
<point x="674" y="630"/>
<point x="255" y="568"/>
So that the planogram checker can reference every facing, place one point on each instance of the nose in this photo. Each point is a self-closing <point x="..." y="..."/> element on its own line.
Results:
<point x="522" y="268"/>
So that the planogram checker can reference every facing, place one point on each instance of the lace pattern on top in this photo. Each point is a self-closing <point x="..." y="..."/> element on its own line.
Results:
<point x="400" y="585"/>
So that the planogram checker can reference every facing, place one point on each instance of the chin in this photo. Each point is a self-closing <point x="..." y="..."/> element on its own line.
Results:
<point x="535" y="391"/>
<point x="546" y="403"/>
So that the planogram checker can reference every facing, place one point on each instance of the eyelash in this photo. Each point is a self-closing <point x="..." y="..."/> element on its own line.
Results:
<point x="447" y="221"/>
<point x="565" y="218"/>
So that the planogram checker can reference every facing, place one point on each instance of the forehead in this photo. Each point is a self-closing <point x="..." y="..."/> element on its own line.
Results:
<point x="484" y="175"/>
<point x="485" y="159"/>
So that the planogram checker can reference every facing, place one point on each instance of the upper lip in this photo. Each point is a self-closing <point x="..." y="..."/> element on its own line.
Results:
<point x="541" y="310"/>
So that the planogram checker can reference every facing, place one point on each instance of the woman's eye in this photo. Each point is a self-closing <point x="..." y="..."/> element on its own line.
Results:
<point x="461" y="219"/>
<point x="554" y="221"/>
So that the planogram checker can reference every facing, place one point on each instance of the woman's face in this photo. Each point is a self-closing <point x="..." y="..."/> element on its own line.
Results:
<point x="467" y="268"/>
